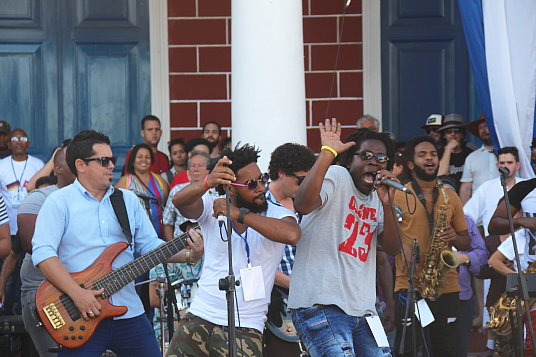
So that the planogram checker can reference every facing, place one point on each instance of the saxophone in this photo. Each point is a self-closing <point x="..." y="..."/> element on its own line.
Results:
<point x="438" y="261"/>
<point x="498" y="313"/>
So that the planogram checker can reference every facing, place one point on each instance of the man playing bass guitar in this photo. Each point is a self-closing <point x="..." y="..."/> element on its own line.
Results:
<point x="78" y="223"/>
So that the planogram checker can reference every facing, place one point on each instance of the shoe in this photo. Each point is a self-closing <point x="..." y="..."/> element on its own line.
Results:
<point x="487" y="353"/>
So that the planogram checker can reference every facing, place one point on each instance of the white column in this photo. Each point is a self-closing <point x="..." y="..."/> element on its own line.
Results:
<point x="268" y="84"/>
<point x="158" y="37"/>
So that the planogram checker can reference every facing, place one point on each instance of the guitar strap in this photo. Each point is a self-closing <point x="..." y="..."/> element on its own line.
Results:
<point x="120" y="209"/>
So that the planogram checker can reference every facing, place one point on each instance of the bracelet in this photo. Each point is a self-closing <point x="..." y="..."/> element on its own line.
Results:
<point x="205" y="183"/>
<point x="188" y="259"/>
<point x="448" y="147"/>
<point x="325" y="147"/>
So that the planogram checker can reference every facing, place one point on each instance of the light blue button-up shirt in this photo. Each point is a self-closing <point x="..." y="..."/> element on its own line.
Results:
<point x="76" y="227"/>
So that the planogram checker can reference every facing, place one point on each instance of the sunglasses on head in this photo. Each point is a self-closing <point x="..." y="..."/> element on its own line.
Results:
<point x="252" y="184"/>
<point x="299" y="178"/>
<point x="104" y="160"/>
<point x="22" y="138"/>
<point x="367" y="155"/>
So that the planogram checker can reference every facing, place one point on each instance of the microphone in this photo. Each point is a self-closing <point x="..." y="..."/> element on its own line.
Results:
<point x="347" y="4"/>
<point x="221" y="219"/>
<point x="396" y="185"/>
<point x="145" y="196"/>
<point x="503" y="170"/>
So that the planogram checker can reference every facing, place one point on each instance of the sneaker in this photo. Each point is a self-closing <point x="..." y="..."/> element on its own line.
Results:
<point x="487" y="353"/>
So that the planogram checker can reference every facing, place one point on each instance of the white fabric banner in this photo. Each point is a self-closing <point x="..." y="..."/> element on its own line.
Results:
<point x="510" y="32"/>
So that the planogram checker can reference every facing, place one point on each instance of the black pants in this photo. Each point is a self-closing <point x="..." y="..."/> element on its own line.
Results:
<point x="443" y="331"/>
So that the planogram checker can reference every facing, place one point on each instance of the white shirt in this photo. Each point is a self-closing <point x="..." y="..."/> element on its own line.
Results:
<point x="14" y="177"/>
<point x="479" y="168"/>
<point x="209" y="302"/>
<point x="483" y="203"/>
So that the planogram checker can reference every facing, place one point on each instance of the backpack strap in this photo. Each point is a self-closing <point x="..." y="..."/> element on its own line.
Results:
<point x="120" y="209"/>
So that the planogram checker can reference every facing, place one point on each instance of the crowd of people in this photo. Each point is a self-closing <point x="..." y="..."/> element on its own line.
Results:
<point x="322" y="245"/>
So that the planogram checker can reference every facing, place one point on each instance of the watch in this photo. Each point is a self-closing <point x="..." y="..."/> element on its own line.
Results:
<point x="242" y="214"/>
<point x="188" y="258"/>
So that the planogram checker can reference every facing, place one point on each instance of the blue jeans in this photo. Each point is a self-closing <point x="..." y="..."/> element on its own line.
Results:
<point x="125" y="337"/>
<point x="327" y="331"/>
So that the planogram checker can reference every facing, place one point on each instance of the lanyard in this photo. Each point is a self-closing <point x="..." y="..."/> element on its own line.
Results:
<point x="420" y="196"/>
<point x="246" y="241"/>
<point x="22" y="174"/>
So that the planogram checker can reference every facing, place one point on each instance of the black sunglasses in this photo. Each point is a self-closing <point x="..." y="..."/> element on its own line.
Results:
<point x="299" y="178"/>
<point x="104" y="160"/>
<point x="252" y="184"/>
<point x="367" y="155"/>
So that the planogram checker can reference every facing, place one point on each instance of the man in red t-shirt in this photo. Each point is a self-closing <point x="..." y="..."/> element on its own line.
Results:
<point x="151" y="133"/>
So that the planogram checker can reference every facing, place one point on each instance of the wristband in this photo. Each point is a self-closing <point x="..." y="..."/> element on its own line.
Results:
<point x="205" y="183"/>
<point x="448" y="147"/>
<point x="325" y="147"/>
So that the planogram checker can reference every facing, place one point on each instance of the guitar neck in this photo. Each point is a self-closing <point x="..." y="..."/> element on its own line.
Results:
<point x="117" y="279"/>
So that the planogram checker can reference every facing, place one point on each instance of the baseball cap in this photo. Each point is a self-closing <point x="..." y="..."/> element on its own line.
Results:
<point x="433" y="120"/>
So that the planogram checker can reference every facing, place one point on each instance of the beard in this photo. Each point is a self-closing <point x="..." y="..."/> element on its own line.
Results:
<point x="422" y="175"/>
<point x="487" y="141"/>
<point x="212" y="145"/>
<point x="252" y="206"/>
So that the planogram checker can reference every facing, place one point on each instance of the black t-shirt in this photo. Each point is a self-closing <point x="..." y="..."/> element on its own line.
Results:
<point x="456" y="164"/>
<point x="523" y="196"/>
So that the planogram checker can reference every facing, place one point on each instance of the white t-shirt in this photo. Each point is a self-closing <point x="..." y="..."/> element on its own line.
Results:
<point x="507" y="249"/>
<point x="209" y="302"/>
<point x="479" y="167"/>
<point x="14" y="177"/>
<point x="336" y="256"/>
<point x="483" y="203"/>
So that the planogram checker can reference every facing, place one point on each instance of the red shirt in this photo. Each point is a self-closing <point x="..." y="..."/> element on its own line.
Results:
<point x="181" y="177"/>
<point x="160" y="164"/>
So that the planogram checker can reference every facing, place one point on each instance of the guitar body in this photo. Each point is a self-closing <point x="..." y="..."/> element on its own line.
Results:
<point x="59" y="315"/>
<point x="279" y="320"/>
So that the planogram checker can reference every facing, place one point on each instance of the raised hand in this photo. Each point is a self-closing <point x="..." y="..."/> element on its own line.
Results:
<point x="221" y="174"/>
<point x="330" y="135"/>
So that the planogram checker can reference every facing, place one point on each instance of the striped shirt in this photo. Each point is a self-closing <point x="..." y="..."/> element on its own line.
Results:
<point x="4" y="219"/>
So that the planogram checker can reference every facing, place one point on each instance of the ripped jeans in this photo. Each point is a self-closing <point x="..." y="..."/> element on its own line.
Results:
<point x="327" y="331"/>
<point x="442" y="332"/>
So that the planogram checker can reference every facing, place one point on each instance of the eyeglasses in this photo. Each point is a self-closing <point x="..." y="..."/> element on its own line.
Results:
<point x="22" y="138"/>
<point x="252" y="184"/>
<point x="367" y="155"/>
<point x="104" y="160"/>
<point x="453" y="131"/>
<point x="429" y="130"/>
<point x="299" y="178"/>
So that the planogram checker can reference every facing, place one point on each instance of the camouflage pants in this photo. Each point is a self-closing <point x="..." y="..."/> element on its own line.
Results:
<point x="196" y="337"/>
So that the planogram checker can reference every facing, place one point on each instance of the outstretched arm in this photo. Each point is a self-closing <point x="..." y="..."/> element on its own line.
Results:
<point x="308" y="195"/>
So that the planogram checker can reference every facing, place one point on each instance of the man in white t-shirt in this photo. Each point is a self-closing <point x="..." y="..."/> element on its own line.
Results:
<point x="15" y="172"/>
<point x="260" y="230"/>
<point x="485" y="199"/>
<point x="347" y="213"/>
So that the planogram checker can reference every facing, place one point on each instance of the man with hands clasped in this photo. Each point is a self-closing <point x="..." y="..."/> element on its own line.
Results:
<point x="260" y="230"/>
<point x="347" y="213"/>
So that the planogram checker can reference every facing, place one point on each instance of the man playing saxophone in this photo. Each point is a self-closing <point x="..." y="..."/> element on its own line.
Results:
<point x="437" y="223"/>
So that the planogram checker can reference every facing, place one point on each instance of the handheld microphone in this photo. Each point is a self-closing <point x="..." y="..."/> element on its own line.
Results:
<point x="396" y="185"/>
<point x="221" y="219"/>
<point x="145" y="196"/>
<point x="503" y="170"/>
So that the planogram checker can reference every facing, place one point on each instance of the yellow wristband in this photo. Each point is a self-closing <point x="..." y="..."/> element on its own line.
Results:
<point x="325" y="147"/>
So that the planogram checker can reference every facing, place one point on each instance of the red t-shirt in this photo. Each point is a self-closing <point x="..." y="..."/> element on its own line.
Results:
<point x="160" y="164"/>
<point x="181" y="177"/>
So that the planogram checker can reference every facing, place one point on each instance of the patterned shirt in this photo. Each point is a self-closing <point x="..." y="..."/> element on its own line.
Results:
<point x="4" y="219"/>
<point x="287" y="261"/>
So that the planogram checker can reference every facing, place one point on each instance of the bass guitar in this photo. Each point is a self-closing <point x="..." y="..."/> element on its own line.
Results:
<point x="60" y="316"/>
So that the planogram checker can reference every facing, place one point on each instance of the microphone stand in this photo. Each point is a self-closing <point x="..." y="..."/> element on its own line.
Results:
<point x="520" y="275"/>
<point x="229" y="283"/>
<point x="161" y="293"/>
<point x="410" y="303"/>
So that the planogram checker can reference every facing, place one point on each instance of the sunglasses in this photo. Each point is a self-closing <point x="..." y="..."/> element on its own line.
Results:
<point x="22" y="138"/>
<point x="453" y="131"/>
<point x="367" y="155"/>
<point x="299" y="178"/>
<point x="252" y="184"/>
<point x="104" y="160"/>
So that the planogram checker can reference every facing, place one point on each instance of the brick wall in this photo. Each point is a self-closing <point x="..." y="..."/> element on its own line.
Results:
<point x="200" y="65"/>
